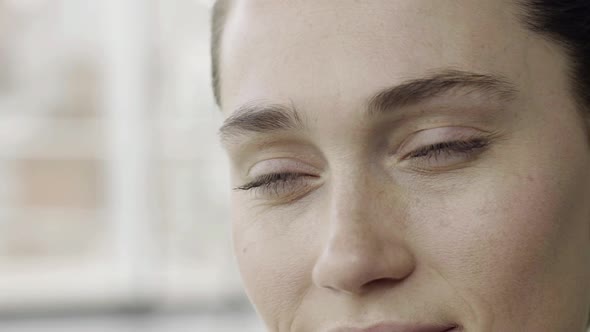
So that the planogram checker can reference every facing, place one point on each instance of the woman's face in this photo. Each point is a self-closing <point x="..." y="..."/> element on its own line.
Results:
<point x="415" y="162"/>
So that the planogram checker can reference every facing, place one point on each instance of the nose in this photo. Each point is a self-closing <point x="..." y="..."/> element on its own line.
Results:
<point x="362" y="251"/>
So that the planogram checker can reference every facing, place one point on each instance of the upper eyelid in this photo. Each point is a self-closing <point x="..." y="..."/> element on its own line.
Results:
<point x="281" y="165"/>
<point x="296" y="176"/>
<point x="313" y="162"/>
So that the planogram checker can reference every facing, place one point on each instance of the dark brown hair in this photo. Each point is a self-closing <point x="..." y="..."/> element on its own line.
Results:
<point x="567" y="23"/>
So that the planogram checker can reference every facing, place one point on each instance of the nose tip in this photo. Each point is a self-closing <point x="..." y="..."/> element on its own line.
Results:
<point x="363" y="248"/>
<point x="362" y="267"/>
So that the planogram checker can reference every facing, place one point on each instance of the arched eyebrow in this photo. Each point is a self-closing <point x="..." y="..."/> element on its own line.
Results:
<point x="422" y="89"/>
<point x="261" y="117"/>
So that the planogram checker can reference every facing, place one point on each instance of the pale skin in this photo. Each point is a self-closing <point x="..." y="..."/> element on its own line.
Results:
<point x="372" y="222"/>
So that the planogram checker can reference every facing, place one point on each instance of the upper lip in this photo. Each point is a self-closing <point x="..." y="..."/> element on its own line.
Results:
<point x="397" y="327"/>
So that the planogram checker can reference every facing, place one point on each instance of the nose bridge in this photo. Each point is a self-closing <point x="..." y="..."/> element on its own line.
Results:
<point x="361" y="245"/>
<point x="352" y="196"/>
<point x="361" y="196"/>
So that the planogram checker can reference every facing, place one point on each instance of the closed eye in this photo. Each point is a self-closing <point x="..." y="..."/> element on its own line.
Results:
<point x="266" y="181"/>
<point x="457" y="146"/>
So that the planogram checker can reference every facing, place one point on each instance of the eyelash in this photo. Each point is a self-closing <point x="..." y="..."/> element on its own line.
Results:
<point x="268" y="180"/>
<point x="275" y="182"/>
<point x="459" y="146"/>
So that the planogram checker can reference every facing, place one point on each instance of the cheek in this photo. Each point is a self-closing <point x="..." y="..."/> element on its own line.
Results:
<point x="518" y="224"/>
<point x="274" y="258"/>
<point x="509" y="241"/>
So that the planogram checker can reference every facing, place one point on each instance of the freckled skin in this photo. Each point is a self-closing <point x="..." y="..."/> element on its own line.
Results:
<point x="502" y="244"/>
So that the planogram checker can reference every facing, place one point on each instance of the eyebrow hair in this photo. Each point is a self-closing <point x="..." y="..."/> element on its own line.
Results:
<point x="261" y="117"/>
<point x="421" y="89"/>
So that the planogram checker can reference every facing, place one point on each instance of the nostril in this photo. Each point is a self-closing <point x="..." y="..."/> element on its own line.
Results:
<point x="380" y="283"/>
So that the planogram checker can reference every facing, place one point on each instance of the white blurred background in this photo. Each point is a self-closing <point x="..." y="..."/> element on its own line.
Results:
<point x="113" y="189"/>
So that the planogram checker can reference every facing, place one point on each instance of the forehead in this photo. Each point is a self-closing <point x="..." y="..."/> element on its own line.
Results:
<point x="319" y="52"/>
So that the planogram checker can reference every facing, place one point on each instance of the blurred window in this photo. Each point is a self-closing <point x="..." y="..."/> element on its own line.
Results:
<point x="113" y="187"/>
